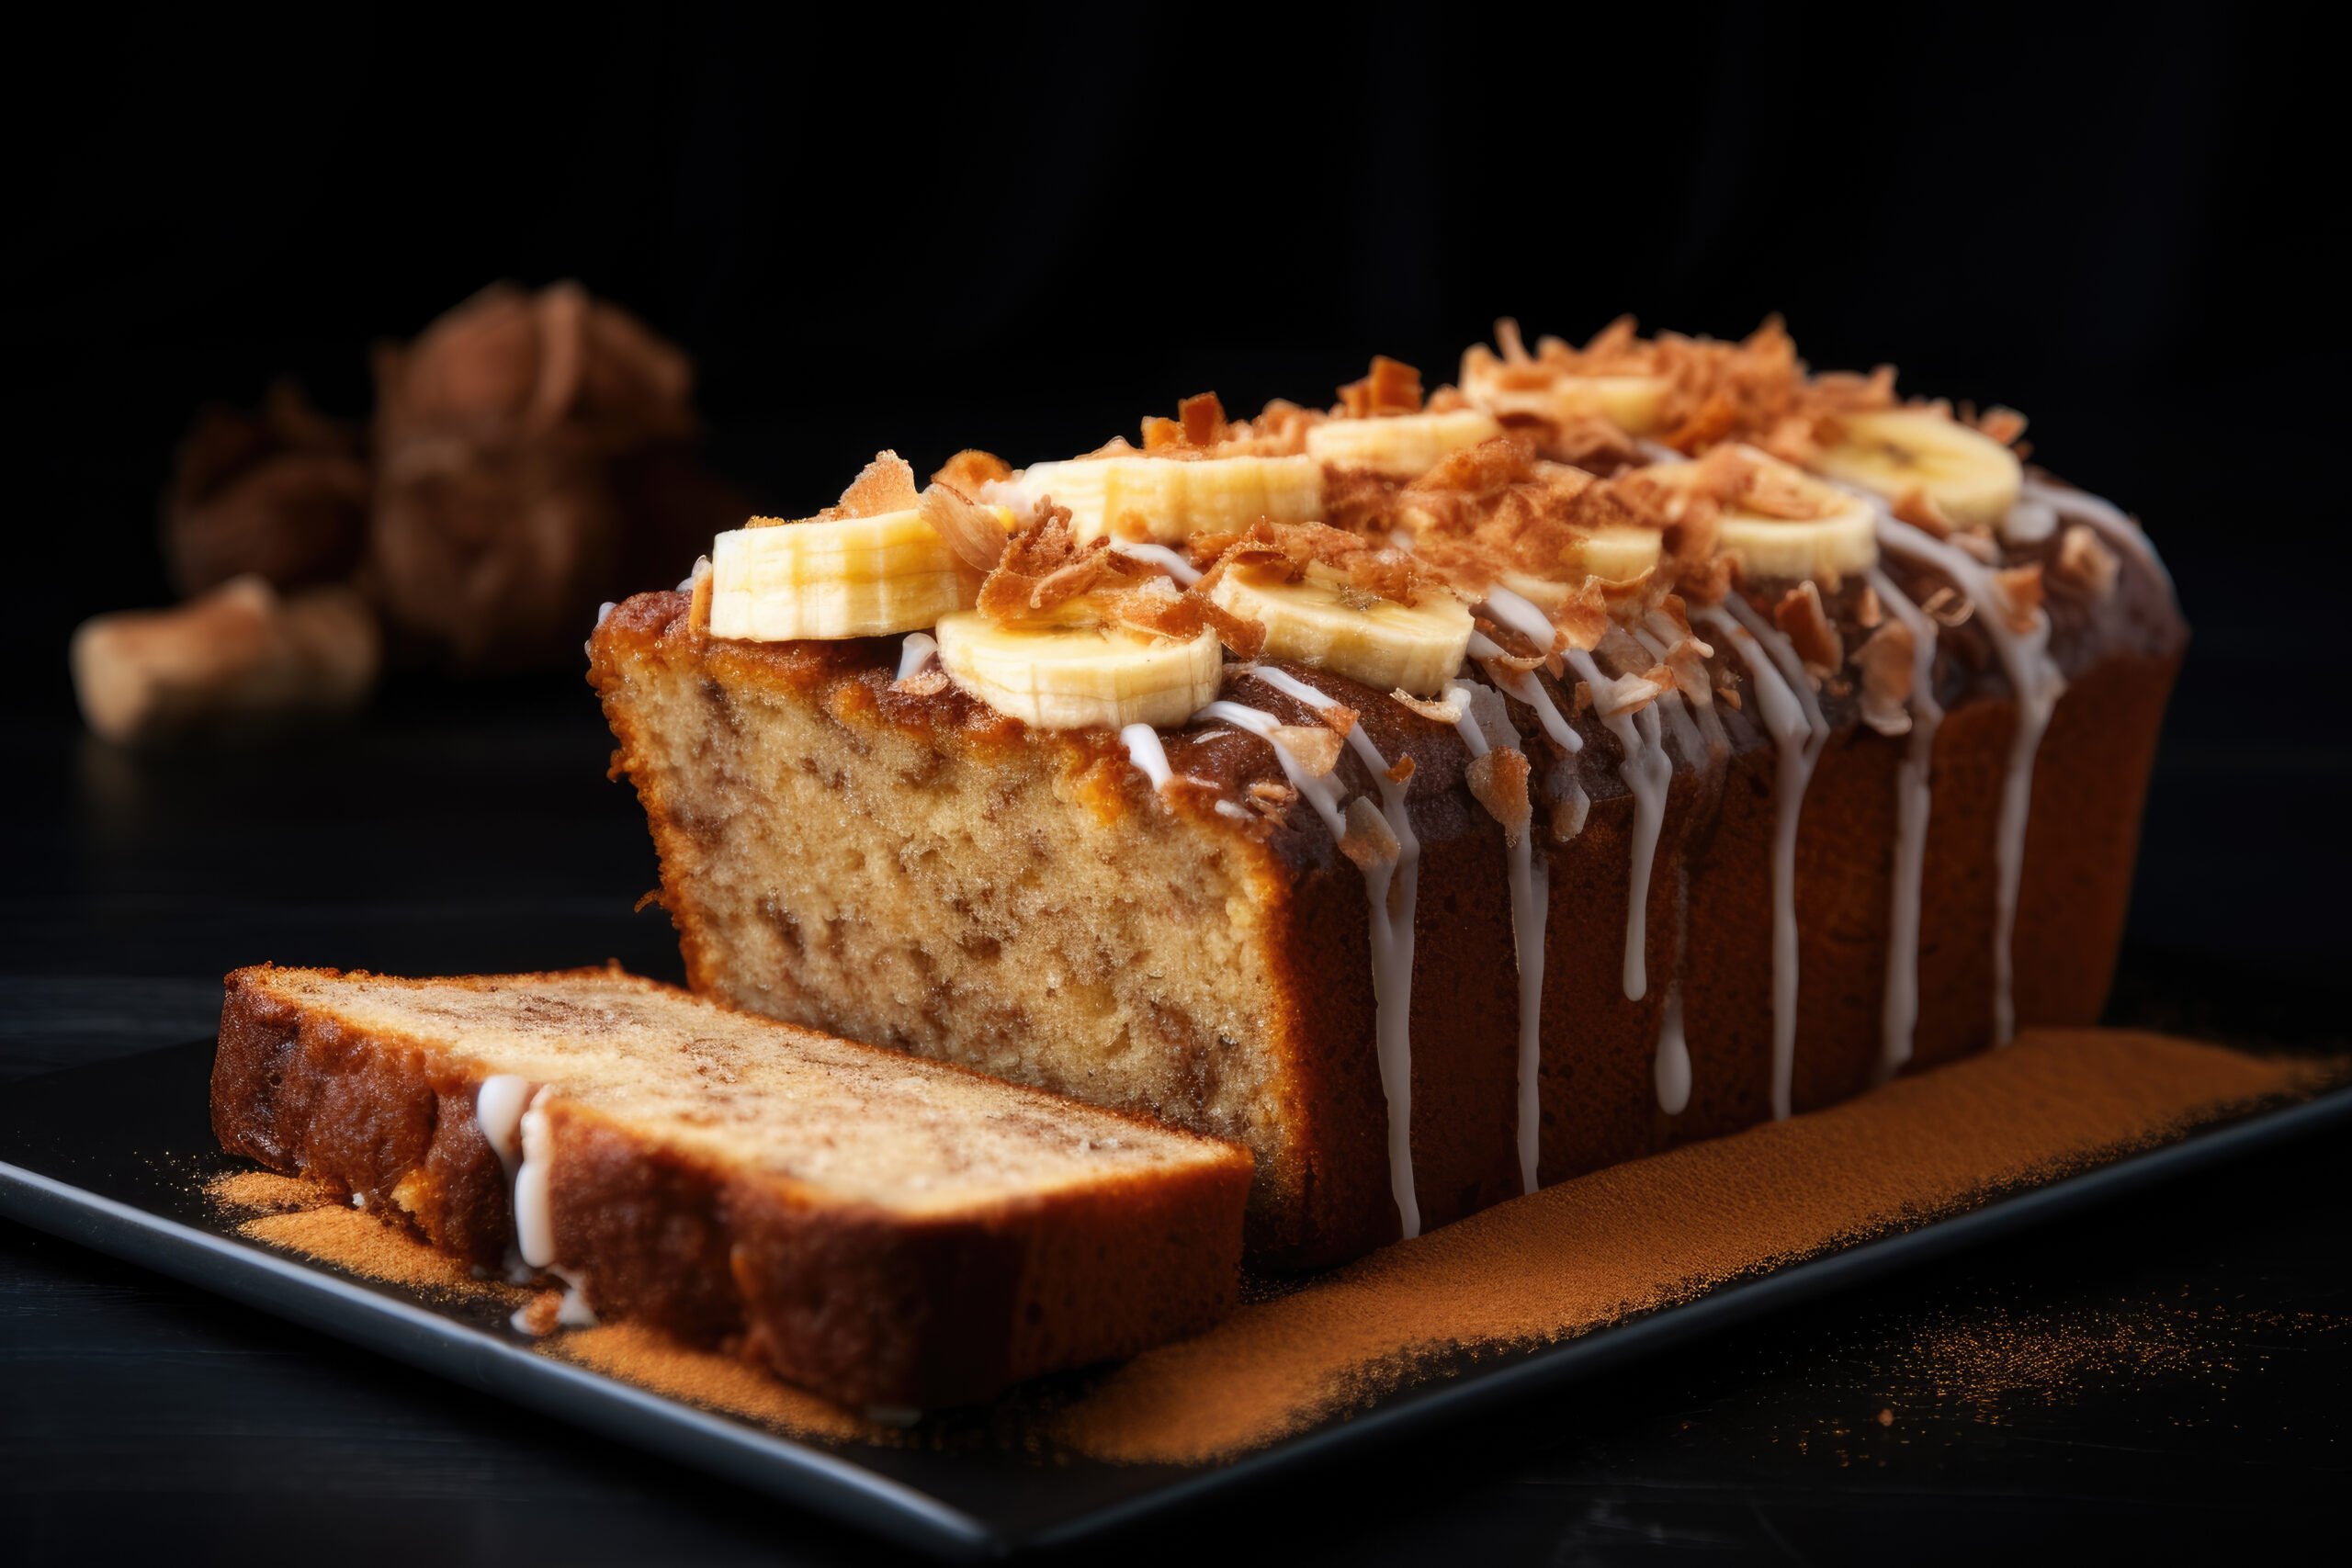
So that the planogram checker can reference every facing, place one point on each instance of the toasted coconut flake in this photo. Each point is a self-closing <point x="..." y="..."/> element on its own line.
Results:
<point x="1341" y="719"/>
<point x="2021" y="595"/>
<point x="1390" y="386"/>
<point x="1885" y="662"/>
<point x="1439" y="712"/>
<point x="1043" y="565"/>
<point x="2083" y="569"/>
<point x="1868" y="611"/>
<point x="1568" y="815"/>
<point x="1202" y="418"/>
<point x="1583" y="621"/>
<point x="1915" y="508"/>
<point x="885" y="484"/>
<point x="1948" y="606"/>
<point x="1401" y="769"/>
<point x="970" y="529"/>
<point x="1807" y="625"/>
<point x="1626" y="693"/>
<point x="1499" y="781"/>
<point x="1507" y="338"/>
<point x="1587" y="441"/>
<point x="1369" y="841"/>
<point x="970" y="468"/>
<point x="1314" y="748"/>
<point x="1244" y="637"/>
<point x="927" y="681"/>
<point x="1278" y="794"/>
<point x="1517" y="663"/>
<point x="2003" y="425"/>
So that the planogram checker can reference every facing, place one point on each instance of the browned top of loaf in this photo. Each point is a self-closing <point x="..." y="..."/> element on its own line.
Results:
<point x="844" y="1120"/>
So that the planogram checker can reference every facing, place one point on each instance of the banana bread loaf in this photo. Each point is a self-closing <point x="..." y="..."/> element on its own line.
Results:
<point x="1635" y="743"/>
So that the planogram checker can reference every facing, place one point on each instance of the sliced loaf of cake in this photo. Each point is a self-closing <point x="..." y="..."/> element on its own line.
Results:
<point x="886" y="1230"/>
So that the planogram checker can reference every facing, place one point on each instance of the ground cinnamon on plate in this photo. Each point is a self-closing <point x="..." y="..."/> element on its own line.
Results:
<point x="1569" y="1259"/>
<point x="320" y="1224"/>
<point x="659" y="1364"/>
<point x="1656" y="1232"/>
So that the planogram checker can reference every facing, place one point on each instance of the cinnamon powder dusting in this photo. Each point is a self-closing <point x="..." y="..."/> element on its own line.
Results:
<point x="320" y="1222"/>
<point x="654" y="1361"/>
<point x="1654" y="1233"/>
<point x="1577" y="1256"/>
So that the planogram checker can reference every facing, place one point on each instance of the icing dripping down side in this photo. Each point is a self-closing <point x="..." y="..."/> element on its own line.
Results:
<point x="1793" y="718"/>
<point x="2034" y="677"/>
<point x="533" y="1215"/>
<point x="1648" y="772"/>
<point x="1148" y="754"/>
<point x="1531" y="902"/>
<point x="1670" y="1067"/>
<point x="1899" y="1010"/>
<point x="1390" y="891"/>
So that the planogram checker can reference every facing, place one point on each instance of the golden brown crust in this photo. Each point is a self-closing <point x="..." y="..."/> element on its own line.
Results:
<point x="864" y="1305"/>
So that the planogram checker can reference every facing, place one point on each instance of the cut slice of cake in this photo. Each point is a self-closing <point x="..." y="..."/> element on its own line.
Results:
<point x="885" y="1230"/>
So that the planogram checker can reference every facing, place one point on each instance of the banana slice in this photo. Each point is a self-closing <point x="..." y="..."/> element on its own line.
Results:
<point x="1631" y="403"/>
<point x="1323" y="620"/>
<point x="1836" y="534"/>
<point x="1621" y="552"/>
<point x="838" y="578"/>
<point x="1969" y="477"/>
<point x="1403" y="445"/>
<point x="1163" y="500"/>
<point x="1075" y="669"/>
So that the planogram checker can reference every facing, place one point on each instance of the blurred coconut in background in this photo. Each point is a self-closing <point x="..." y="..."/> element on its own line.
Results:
<point x="531" y="454"/>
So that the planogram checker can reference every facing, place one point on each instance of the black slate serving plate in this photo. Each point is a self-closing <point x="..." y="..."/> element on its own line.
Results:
<point x="112" y="1156"/>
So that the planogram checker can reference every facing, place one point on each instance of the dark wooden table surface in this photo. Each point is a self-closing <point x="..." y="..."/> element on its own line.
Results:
<point x="2169" y="1377"/>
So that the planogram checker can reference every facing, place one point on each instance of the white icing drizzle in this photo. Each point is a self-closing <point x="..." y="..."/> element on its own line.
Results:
<point x="1391" y="891"/>
<point x="499" y="1104"/>
<point x="2030" y="522"/>
<point x="534" y="1216"/>
<point x="1239" y="813"/>
<point x="2105" y="518"/>
<point x="1522" y="684"/>
<point x="1322" y="794"/>
<point x="1668" y="701"/>
<point x="1530" y="903"/>
<point x="1148" y="754"/>
<point x="1647" y="773"/>
<point x="1899" y="1009"/>
<point x="1785" y="702"/>
<point x="918" y="650"/>
<point x="1161" y="555"/>
<point x="2034" y="677"/>
<point x="1660" y="637"/>
<point x="1670" y="1067"/>
<point x="1509" y="609"/>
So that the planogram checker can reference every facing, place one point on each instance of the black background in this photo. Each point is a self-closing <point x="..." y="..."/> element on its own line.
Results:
<point x="1021" y="232"/>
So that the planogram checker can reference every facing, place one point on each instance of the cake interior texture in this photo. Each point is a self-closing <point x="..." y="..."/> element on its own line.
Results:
<point x="803" y="1108"/>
